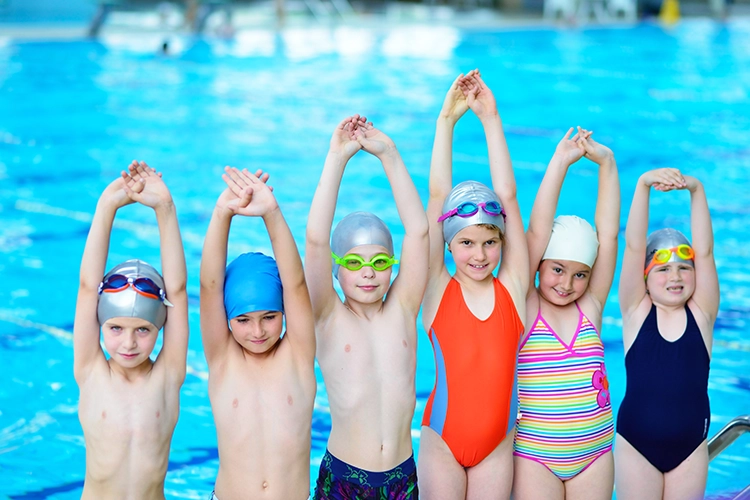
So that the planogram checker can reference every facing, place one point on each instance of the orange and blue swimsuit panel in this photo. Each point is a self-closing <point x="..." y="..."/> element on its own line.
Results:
<point x="474" y="403"/>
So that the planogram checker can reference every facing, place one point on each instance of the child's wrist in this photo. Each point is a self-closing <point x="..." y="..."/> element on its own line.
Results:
<point x="165" y="207"/>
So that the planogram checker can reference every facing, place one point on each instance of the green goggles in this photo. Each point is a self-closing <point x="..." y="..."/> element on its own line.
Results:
<point x="353" y="262"/>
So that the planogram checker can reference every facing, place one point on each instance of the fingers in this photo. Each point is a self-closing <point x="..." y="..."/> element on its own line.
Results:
<point x="567" y="135"/>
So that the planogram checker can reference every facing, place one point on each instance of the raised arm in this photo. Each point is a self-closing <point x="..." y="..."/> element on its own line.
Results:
<point x="411" y="281"/>
<point x="441" y="182"/>
<point x="318" y="266"/>
<point x="86" y="329"/>
<point x="156" y="195"/>
<point x="568" y="151"/>
<point x="214" y="327"/>
<point x="514" y="269"/>
<point x="607" y="218"/>
<point x="706" y="294"/>
<point x="258" y="201"/>
<point x="632" y="285"/>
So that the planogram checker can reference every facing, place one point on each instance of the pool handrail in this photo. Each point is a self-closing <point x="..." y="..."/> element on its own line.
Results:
<point x="727" y="435"/>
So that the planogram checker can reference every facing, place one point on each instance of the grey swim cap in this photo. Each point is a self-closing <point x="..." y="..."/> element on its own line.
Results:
<point x="359" y="228"/>
<point x="666" y="238"/>
<point x="127" y="302"/>
<point x="573" y="239"/>
<point x="474" y="192"/>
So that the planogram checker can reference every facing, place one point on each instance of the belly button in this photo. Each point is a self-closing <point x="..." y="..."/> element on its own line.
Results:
<point x="265" y="485"/>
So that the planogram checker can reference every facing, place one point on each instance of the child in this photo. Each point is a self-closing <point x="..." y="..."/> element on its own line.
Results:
<point x="366" y="345"/>
<point x="667" y="327"/>
<point x="473" y="319"/>
<point x="261" y="384"/>
<point x="564" y="435"/>
<point x="129" y="405"/>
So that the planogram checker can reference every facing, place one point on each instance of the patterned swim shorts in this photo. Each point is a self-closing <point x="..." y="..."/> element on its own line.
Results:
<point x="340" y="481"/>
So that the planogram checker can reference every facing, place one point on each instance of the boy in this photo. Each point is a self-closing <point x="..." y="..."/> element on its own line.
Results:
<point x="261" y="385"/>
<point x="129" y="404"/>
<point x="367" y="345"/>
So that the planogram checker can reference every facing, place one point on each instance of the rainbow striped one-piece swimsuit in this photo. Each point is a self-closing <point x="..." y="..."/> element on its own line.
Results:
<point x="566" y="416"/>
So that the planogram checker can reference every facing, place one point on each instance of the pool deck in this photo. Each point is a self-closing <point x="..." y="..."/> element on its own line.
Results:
<point x="261" y="15"/>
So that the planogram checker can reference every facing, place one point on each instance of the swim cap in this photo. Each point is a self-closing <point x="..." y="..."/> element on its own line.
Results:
<point x="666" y="238"/>
<point x="128" y="303"/>
<point x="573" y="239"/>
<point x="359" y="228"/>
<point x="474" y="192"/>
<point x="252" y="283"/>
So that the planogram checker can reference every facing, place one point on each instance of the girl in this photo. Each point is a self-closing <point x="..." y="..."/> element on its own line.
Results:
<point x="564" y="436"/>
<point x="667" y="328"/>
<point x="473" y="319"/>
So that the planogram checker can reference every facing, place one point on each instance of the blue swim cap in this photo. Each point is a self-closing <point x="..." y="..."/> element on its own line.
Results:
<point x="252" y="283"/>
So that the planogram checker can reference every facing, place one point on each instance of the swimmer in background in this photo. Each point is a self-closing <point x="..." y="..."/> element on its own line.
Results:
<point x="669" y="298"/>
<point x="261" y="384"/>
<point x="563" y="446"/>
<point x="366" y="345"/>
<point x="129" y="404"/>
<point x="474" y="320"/>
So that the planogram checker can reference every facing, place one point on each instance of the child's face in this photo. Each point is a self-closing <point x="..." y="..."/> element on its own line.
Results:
<point x="562" y="282"/>
<point x="671" y="284"/>
<point x="129" y="341"/>
<point x="257" y="332"/>
<point x="365" y="285"/>
<point x="476" y="251"/>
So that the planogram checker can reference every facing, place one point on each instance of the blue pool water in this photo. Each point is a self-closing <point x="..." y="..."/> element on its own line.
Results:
<point x="72" y="115"/>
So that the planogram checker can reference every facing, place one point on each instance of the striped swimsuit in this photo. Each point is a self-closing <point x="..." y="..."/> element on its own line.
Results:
<point x="566" y="417"/>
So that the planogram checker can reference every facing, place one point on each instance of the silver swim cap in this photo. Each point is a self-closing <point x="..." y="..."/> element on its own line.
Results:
<point x="127" y="302"/>
<point x="471" y="192"/>
<point x="573" y="239"/>
<point x="666" y="239"/>
<point x="359" y="228"/>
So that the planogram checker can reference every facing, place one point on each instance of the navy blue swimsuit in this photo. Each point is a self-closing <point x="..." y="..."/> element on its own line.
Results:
<point x="665" y="412"/>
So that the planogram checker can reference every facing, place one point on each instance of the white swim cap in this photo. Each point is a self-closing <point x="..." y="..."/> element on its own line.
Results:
<point x="573" y="239"/>
<point x="472" y="193"/>
<point x="359" y="228"/>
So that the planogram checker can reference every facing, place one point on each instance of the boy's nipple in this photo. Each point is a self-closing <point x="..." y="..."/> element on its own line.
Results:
<point x="235" y="403"/>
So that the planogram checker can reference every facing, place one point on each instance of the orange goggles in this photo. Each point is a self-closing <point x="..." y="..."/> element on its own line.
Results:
<point x="662" y="256"/>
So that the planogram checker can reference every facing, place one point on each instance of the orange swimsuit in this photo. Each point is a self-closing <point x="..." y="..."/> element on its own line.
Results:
<point x="474" y="403"/>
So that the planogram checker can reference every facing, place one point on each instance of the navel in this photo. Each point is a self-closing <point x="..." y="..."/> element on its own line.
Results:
<point x="290" y="400"/>
<point x="158" y="414"/>
<point x="404" y="344"/>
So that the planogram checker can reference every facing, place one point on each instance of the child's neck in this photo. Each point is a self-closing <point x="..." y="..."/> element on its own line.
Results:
<point x="473" y="285"/>
<point x="363" y="310"/>
<point x="134" y="373"/>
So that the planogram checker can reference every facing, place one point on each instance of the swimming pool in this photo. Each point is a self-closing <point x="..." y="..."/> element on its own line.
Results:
<point x="72" y="115"/>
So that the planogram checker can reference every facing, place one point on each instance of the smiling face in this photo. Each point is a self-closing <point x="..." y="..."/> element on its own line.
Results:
<point x="476" y="251"/>
<point x="671" y="284"/>
<point x="129" y="341"/>
<point x="366" y="285"/>
<point x="259" y="331"/>
<point x="562" y="282"/>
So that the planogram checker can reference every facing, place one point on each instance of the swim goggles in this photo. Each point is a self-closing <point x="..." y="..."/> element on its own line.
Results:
<point x="354" y="262"/>
<point x="468" y="208"/>
<point x="662" y="256"/>
<point x="143" y="286"/>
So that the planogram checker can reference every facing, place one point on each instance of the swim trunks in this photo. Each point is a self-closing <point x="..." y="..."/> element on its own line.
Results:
<point x="214" y="497"/>
<point x="338" y="480"/>
<point x="566" y="417"/>
<point x="665" y="413"/>
<point x="474" y="403"/>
